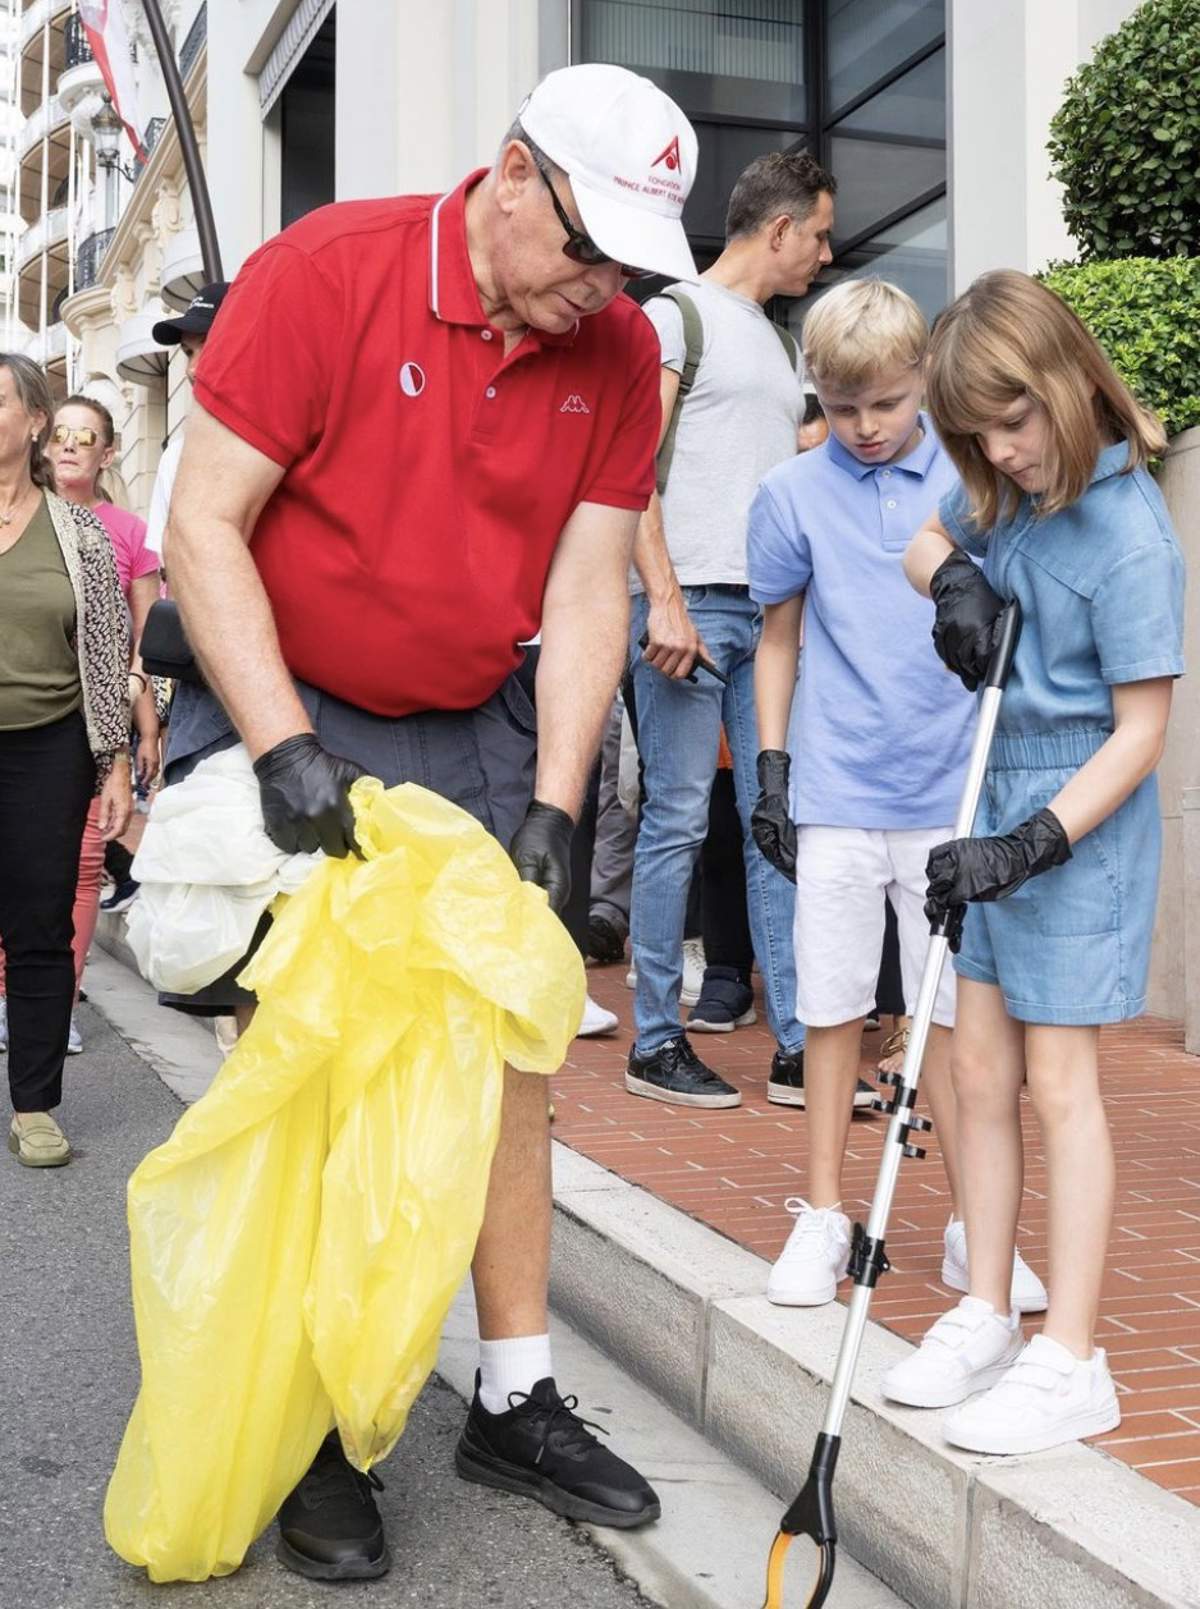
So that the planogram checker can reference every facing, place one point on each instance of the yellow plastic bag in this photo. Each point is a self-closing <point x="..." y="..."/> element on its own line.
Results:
<point x="296" y="1243"/>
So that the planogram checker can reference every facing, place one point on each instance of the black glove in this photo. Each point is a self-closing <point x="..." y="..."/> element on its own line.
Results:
<point x="991" y="868"/>
<point x="541" y="851"/>
<point x="305" y="795"/>
<point x="771" y="819"/>
<point x="967" y="627"/>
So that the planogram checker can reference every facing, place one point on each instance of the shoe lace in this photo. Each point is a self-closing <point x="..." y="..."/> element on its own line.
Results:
<point x="810" y="1220"/>
<point x="574" y="1432"/>
<point x="330" y="1477"/>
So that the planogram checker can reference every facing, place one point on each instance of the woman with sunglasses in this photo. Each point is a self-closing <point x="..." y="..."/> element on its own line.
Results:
<point x="81" y="450"/>
<point x="64" y="728"/>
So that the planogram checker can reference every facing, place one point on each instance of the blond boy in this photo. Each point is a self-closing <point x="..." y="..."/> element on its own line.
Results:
<point x="864" y="755"/>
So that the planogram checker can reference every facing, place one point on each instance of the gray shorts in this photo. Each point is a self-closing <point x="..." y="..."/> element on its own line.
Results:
<point x="481" y="759"/>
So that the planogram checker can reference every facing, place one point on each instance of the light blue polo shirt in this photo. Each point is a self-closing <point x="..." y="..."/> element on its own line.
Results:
<point x="880" y="731"/>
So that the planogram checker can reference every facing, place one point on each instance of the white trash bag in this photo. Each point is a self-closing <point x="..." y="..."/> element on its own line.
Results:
<point x="207" y="871"/>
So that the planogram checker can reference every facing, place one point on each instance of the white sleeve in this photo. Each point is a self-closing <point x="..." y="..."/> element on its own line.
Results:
<point x="160" y="497"/>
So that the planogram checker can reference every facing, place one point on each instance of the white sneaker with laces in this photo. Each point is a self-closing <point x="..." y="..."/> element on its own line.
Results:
<point x="969" y="1348"/>
<point x="807" y="1271"/>
<point x="1048" y="1397"/>
<point x="693" y="971"/>
<point x="1028" y="1294"/>
<point x="597" y="1019"/>
<point x="74" y="1040"/>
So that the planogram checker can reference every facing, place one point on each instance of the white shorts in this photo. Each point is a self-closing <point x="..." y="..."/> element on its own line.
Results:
<point x="842" y="876"/>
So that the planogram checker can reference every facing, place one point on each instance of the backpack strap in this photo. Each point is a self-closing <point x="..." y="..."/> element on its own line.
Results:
<point x="693" y="351"/>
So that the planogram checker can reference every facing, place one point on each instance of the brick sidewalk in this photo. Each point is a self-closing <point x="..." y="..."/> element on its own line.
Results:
<point x="733" y="1169"/>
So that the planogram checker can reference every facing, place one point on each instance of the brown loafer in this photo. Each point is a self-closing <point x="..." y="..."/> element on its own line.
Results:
<point x="37" y="1141"/>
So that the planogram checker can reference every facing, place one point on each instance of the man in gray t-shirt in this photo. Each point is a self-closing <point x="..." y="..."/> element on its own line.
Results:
<point x="739" y="420"/>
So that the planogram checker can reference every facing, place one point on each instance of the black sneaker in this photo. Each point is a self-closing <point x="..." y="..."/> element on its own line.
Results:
<point x="675" y="1073"/>
<point x="122" y="896"/>
<point x="606" y="939"/>
<point x="329" y="1527"/>
<point x="542" y="1449"/>
<point x="726" y="1002"/>
<point x="785" y="1086"/>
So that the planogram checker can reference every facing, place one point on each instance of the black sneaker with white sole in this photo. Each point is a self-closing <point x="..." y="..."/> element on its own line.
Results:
<point x="785" y="1086"/>
<point x="675" y="1073"/>
<point x="726" y="1002"/>
<point x="329" y="1526"/>
<point x="541" y="1448"/>
<point x="122" y="896"/>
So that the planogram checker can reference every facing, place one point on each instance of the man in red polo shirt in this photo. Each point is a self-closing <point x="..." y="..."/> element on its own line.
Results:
<point x="424" y="430"/>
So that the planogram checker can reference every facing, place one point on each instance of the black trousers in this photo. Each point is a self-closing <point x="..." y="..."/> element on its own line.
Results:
<point x="723" y="864"/>
<point x="47" y="776"/>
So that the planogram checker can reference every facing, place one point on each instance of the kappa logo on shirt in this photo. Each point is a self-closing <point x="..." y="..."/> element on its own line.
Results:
<point x="574" y="404"/>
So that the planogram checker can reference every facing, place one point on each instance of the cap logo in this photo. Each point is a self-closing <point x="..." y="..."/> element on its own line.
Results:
<point x="670" y="156"/>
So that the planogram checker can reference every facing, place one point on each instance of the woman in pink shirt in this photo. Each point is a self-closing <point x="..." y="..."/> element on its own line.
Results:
<point x="80" y="449"/>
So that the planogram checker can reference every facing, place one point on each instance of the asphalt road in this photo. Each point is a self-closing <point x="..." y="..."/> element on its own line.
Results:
<point x="70" y="1375"/>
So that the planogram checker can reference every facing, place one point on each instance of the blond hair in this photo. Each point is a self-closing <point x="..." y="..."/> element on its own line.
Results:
<point x="1007" y="337"/>
<point x="860" y="328"/>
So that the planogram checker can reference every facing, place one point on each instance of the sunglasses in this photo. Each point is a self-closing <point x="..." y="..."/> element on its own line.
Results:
<point x="581" y="248"/>
<point x="85" y="436"/>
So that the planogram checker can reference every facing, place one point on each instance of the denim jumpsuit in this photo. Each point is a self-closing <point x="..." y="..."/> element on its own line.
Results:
<point x="1101" y="591"/>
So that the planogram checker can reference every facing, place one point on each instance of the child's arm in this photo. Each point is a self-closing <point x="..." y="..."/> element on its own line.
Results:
<point x="775" y="670"/>
<point x="966" y="610"/>
<point x="990" y="868"/>
<point x="1122" y="763"/>
<point x="774" y="683"/>
<point x="927" y="551"/>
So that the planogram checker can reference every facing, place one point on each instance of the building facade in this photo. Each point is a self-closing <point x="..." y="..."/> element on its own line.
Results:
<point x="932" y="114"/>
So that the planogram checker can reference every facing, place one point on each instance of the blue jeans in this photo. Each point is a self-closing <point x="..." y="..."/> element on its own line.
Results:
<point x="679" y="726"/>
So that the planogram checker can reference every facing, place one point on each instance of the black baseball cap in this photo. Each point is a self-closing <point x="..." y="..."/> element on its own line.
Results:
<point x="197" y="320"/>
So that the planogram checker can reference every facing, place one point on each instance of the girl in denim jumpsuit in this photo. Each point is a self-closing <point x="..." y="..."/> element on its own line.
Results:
<point x="1059" y="886"/>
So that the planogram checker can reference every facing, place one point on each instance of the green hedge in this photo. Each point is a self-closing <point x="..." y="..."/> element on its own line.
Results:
<point x="1146" y="315"/>
<point x="1125" y="144"/>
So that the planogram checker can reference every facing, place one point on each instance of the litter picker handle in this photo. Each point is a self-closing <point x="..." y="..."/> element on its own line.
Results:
<point x="1006" y="646"/>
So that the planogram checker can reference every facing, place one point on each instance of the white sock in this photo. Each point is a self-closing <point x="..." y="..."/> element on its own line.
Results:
<point x="515" y="1365"/>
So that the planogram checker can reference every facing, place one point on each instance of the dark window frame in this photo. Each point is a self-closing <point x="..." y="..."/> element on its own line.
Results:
<point x="817" y="131"/>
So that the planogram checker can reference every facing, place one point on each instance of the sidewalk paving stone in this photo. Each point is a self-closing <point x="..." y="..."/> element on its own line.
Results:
<point x="733" y="1169"/>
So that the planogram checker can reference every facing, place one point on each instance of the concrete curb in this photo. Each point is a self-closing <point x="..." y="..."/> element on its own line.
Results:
<point x="680" y="1307"/>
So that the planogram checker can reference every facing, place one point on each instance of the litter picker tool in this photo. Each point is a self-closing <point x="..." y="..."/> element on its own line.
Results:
<point x="701" y="662"/>
<point x="811" y="1514"/>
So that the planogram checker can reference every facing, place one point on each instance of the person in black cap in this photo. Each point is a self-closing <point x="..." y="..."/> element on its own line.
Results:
<point x="189" y="331"/>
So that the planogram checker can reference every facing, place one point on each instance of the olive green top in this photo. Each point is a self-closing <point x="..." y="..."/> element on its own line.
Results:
<point x="39" y="668"/>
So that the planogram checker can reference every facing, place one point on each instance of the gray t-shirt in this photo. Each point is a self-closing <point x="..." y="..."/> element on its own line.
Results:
<point x="738" y="422"/>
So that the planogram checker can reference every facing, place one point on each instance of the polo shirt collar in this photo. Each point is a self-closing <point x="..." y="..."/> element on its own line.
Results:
<point x="1113" y="460"/>
<point x="915" y="463"/>
<point x="453" y="293"/>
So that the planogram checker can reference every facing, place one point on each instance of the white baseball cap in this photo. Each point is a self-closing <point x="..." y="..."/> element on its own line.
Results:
<point x="630" y="155"/>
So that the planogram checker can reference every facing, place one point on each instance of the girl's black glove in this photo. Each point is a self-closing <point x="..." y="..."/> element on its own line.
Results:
<point x="771" y="819"/>
<point x="991" y="868"/>
<point x="965" y="630"/>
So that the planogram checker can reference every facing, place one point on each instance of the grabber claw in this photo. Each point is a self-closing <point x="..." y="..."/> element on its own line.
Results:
<point x="810" y="1515"/>
<point x="775" y="1563"/>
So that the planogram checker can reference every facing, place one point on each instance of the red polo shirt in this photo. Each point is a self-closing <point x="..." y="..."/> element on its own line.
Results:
<point x="406" y="549"/>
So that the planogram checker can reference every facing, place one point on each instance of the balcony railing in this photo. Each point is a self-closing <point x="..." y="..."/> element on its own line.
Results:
<point x="194" y="43"/>
<point x="78" y="50"/>
<point x="49" y="115"/>
<point x="48" y="231"/>
<point x="89" y="256"/>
